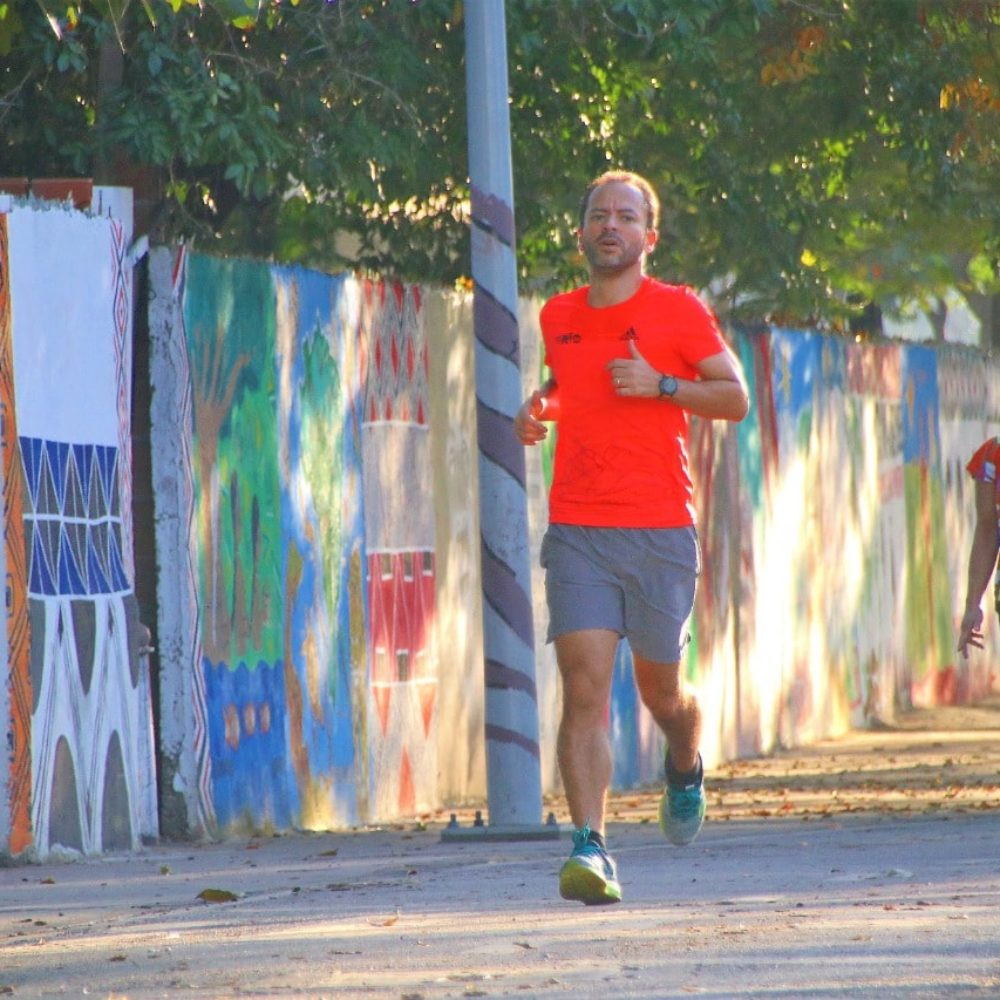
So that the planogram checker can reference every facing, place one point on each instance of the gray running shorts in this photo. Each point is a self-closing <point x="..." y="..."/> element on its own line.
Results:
<point x="638" y="582"/>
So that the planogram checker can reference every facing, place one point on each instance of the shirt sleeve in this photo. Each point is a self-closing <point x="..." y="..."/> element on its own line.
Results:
<point x="703" y="336"/>
<point x="983" y="464"/>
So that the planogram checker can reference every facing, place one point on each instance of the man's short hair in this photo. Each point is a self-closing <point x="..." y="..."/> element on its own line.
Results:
<point x="625" y="177"/>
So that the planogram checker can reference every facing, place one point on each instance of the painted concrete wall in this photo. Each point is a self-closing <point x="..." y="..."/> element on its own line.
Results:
<point x="834" y="524"/>
<point x="79" y="773"/>
<point x="317" y="518"/>
<point x="299" y="561"/>
<point x="461" y="760"/>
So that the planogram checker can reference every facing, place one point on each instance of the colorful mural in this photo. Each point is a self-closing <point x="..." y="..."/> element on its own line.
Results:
<point x="184" y="752"/>
<point x="928" y="599"/>
<point x="827" y="592"/>
<point x="315" y="553"/>
<point x="317" y="537"/>
<point x="15" y="692"/>
<point x="268" y="476"/>
<point x="849" y="475"/>
<point x="969" y="402"/>
<point x="93" y="785"/>
<point x="399" y="540"/>
<point x="877" y="515"/>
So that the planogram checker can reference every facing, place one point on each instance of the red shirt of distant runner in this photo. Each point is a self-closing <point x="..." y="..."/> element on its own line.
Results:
<point x="621" y="462"/>
<point x="983" y="467"/>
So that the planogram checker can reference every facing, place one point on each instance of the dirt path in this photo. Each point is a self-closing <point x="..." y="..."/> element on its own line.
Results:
<point x="945" y="758"/>
<point x="862" y="867"/>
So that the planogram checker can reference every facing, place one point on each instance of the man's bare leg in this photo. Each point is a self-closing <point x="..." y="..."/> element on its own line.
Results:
<point x="675" y="709"/>
<point x="586" y="662"/>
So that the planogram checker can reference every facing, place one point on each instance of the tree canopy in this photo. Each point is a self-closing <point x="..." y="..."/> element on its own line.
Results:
<point x="811" y="155"/>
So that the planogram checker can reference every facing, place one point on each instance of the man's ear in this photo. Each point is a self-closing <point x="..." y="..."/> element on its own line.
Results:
<point x="652" y="236"/>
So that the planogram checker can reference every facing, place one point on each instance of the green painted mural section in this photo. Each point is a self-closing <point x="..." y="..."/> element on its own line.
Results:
<point x="231" y="337"/>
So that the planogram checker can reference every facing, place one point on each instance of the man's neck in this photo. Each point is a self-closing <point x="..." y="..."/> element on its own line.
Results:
<point x="610" y="289"/>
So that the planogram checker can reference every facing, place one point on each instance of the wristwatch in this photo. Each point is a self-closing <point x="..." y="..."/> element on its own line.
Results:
<point x="668" y="385"/>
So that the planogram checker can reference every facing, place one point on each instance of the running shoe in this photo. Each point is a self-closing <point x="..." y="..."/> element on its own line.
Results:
<point x="682" y="809"/>
<point x="589" y="874"/>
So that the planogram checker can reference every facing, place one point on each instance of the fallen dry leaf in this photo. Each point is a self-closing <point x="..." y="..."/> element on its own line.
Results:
<point x="217" y="896"/>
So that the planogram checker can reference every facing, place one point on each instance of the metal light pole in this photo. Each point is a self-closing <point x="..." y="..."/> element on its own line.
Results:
<point x="512" y="759"/>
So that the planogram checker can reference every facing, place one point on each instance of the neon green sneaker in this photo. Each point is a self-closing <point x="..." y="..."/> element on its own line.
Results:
<point x="589" y="875"/>
<point x="682" y="809"/>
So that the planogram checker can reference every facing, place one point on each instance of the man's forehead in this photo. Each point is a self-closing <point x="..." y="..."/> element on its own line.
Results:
<point x="616" y="194"/>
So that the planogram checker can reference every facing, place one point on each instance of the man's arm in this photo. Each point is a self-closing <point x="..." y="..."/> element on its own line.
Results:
<point x="719" y="392"/>
<point x="982" y="559"/>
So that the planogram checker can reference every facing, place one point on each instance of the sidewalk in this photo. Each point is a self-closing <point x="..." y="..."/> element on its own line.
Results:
<point x="869" y="866"/>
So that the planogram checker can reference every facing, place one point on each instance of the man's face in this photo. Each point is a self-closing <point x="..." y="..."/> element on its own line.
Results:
<point x="615" y="234"/>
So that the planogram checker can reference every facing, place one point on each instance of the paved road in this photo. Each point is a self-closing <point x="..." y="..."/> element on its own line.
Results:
<point x="869" y="867"/>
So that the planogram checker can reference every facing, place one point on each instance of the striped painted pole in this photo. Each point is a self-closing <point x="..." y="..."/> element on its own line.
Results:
<point x="512" y="759"/>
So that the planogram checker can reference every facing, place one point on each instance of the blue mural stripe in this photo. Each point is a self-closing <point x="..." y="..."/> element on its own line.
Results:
<point x="105" y="457"/>
<point x="70" y="578"/>
<point x="46" y="499"/>
<point x="81" y="453"/>
<point x="74" y="506"/>
<point x="98" y="578"/>
<point x="919" y="413"/>
<point x="31" y="463"/>
<point x="41" y="581"/>
<point x="97" y="504"/>
<point x="119" y="577"/>
<point x="58" y="452"/>
<point x="76" y="535"/>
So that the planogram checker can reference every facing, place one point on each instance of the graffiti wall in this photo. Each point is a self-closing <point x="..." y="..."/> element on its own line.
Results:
<point x="835" y="524"/>
<point x="80" y="771"/>
<point x="317" y="534"/>
<point x="317" y="537"/>
<point x="458" y="624"/>
<point x="305" y="535"/>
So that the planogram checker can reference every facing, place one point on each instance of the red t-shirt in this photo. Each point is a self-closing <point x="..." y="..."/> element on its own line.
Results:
<point x="983" y="467"/>
<point x="621" y="461"/>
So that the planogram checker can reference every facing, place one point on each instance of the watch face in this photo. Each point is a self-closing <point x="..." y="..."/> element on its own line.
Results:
<point x="668" y="385"/>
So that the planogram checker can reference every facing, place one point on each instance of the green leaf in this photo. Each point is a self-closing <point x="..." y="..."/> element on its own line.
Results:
<point x="11" y="26"/>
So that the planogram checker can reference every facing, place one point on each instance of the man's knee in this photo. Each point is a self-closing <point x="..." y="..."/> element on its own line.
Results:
<point x="657" y="681"/>
<point x="668" y="704"/>
<point x="584" y="698"/>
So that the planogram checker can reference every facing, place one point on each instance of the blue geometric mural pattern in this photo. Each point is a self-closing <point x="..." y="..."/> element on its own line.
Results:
<point x="72" y="519"/>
